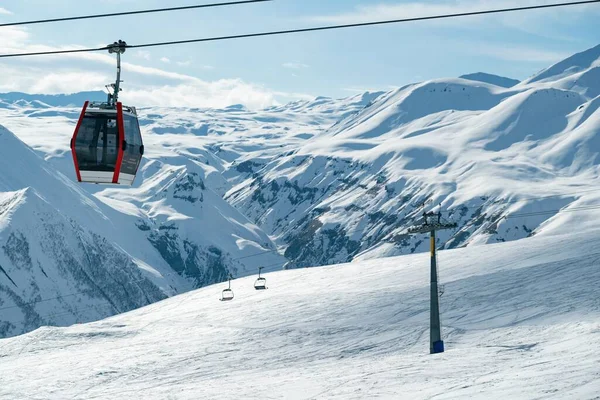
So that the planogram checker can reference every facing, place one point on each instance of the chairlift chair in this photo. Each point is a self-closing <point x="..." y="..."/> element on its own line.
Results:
<point x="227" y="294"/>
<point x="261" y="283"/>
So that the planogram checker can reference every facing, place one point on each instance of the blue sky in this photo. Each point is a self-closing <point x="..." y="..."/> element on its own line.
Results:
<point x="260" y="72"/>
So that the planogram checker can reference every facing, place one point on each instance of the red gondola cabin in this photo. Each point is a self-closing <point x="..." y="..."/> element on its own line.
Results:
<point x="107" y="144"/>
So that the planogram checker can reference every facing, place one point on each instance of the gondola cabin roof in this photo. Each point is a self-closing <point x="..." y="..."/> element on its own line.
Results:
<point x="100" y="107"/>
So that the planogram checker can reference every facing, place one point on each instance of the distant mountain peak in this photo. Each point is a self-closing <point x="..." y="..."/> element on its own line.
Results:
<point x="50" y="100"/>
<point x="571" y="65"/>
<point x="491" y="79"/>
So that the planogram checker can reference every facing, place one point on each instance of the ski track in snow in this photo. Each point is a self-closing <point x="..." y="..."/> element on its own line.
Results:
<point x="519" y="322"/>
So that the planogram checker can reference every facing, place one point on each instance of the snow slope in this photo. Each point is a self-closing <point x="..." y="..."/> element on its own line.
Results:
<point x="521" y="320"/>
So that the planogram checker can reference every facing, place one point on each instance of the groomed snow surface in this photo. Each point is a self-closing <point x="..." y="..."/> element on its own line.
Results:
<point x="521" y="320"/>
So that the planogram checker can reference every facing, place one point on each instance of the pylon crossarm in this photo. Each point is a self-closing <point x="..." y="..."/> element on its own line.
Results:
<point x="431" y="227"/>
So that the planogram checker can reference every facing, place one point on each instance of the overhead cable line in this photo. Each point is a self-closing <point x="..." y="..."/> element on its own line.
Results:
<point x="136" y="12"/>
<point x="256" y="255"/>
<point x="312" y="29"/>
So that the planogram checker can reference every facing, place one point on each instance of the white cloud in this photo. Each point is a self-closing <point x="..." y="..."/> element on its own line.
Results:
<point x="143" y="54"/>
<point x="141" y="91"/>
<point x="221" y="93"/>
<point x="295" y="65"/>
<point x="165" y="60"/>
<point x="4" y="11"/>
<point x="11" y="34"/>
<point x="62" y="82"/>
<point x="189" y="62"/>
<point x="143" y="86"/>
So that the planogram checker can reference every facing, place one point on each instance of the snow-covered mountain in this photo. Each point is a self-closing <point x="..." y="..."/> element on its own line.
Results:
<point x="68" y="256"/>
<point x="54" y="246"/>
<point x="520" y="320"/>
<point x="324" y="181"/>
<point x="575" y="72"/>
<point x="476" y="151"/>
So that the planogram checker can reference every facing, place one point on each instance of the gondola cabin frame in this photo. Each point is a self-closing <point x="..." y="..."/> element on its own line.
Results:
<point x="107" y="145"/>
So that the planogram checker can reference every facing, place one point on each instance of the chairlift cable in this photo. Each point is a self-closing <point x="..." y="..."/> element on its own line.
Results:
<point x="135" y="12"/>
<point x="312" y="29"/>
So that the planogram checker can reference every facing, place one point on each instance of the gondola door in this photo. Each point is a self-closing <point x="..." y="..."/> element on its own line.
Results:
<point x="95" y="145"/>
<point x="131" y="149"/>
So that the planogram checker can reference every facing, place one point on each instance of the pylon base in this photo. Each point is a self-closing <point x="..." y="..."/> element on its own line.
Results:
<point x="438" y="347"/>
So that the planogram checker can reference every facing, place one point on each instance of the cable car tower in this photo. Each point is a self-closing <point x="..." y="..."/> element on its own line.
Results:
<point x="433" y="222"/>
<point x="107" y="145"/>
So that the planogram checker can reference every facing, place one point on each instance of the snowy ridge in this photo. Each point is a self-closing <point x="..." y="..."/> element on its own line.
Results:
<point x="570" y="67"/>
<point x="396" y="110"/>
<point x="17" y="99"/>
<point x="492" y="79"/>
